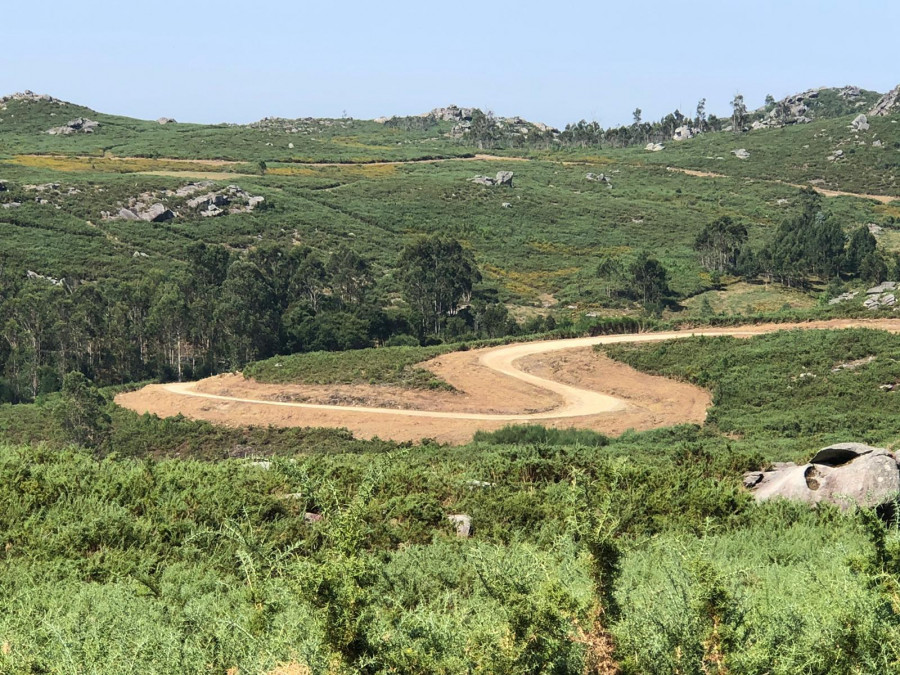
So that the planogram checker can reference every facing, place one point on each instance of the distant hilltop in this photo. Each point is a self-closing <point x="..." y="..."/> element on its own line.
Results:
<point x="799" y="108"/>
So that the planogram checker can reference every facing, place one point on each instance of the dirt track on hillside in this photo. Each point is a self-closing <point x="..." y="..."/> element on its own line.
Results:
<point x="884" y="199"/>
<point x="559" y="383"/>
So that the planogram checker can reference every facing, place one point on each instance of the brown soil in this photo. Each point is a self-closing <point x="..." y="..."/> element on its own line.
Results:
<point x="694" y="172"/>
<point x="559" y="383"/>
<point x="884" y="199"/>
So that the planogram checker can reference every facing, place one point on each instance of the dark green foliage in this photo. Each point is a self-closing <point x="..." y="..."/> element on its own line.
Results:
<point x="811" y="244"/>
<point x="437" y="274"/>
<point x="862" y="244"/>
<point x="720" y="244"/>
<point x="648" y="280"/>
<point x="521" y="435"/>
<point x="81" y="411"/>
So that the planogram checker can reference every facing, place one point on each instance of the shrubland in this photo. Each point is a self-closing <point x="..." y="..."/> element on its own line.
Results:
<point x="130" y="543"/>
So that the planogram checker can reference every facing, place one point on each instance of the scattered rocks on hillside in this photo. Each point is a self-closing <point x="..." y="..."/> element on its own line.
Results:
<point x="44" y="187"/>
<point x="685" y="132"/>
<point x="235" y="198"/>
<point x="875" y="302"/>
<point x="156" y="213"/>
<point x="78" y="125"/>
<point x="504" y="178"/>
<point x="859" y="123"/>
<point x="43" y="277"/>
<point x="125" y="214"/>
<point x="883" y="287"/>
<point x="192" y="188"/>
<point x="654" y="147"/>
<point x="877" y="144"/>
<point x="843" y="297"/>
<point x="875" y="229"/>
<point x="853" y="365"/>
<point x="463" y="524"/>
<point x="887" y="104"/>
<point x="166" y="120"/>
<point x="850" y="92"/>
<point x="10" y="205"/>
<point x="29" y="97"/>
<point x="304" y="125"/>
<point x="741" y="153"/>
<point x="452" y="113"/>
<point x="835" y="155"/>
<point x="151" y="207"/>
<point x="845" y="474"/>
<point x="508" y="126"/>
<point x="599" y="178"/>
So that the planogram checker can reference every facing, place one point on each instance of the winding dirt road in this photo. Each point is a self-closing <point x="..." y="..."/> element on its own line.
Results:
<point x="558" y="383"/>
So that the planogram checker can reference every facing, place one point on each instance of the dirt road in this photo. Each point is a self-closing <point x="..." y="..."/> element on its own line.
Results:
<point x="884" y="199"/>
<point x="559" y="383"/>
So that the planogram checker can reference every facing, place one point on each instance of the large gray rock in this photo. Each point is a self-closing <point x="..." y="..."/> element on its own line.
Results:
<point x="79" y="125"/>
<point x="685" y="132"/>
<point x="845" y="474"/>
<point x="741" y="153"/>
<point x="883" y="287"/>
<point x="157" y="213"/>
<point x="504" y="178"/>
<point x="463" y="524"/>
<point x="887" y="104"/>
<point x="860" y="123"/>
<point x="127" y="214"/>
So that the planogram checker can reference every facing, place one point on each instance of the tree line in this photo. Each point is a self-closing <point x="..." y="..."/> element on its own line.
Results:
<point x="225" y="309"/>
<point x="811" y="246"/>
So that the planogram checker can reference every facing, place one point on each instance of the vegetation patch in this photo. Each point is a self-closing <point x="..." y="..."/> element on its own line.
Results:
<point x="384" y="365"/>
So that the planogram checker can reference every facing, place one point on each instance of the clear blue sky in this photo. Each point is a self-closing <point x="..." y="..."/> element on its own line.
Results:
<point x="203" y="61"/>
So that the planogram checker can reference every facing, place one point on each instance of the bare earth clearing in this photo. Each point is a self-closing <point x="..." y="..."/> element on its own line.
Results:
<point x="558" y="383"/>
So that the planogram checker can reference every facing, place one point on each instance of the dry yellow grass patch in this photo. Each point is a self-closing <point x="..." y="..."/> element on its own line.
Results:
<point x="117" y="164"/>
<point x="526" y="283"/>
<point x="372" y="170"/>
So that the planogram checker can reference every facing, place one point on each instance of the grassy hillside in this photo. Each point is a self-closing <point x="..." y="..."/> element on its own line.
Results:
<point x="547" y="241"/>
<point x="25" y="123"/>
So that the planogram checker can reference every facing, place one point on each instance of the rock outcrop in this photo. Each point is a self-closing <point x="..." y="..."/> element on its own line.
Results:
<point x="654" y="147"/>
<point x="29" y="97"/>
<point x="151" y="206"/>
<point x="166" y="120"/>
<point x="685" y="132"/>
<point x="462" y="523"/>
<point x="859" y="123"/>
<point x="452" y="113"/>
<point x="741" y="153"/>
<point x="156" y="213"/>
<point x="504" y="178"/>
<point x="845" y="474"/>
<point x="79" y="125"/>
<point x="887" y="104"/>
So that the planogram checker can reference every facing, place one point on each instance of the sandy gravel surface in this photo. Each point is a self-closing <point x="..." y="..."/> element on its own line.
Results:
<point x="560" y="383"/>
